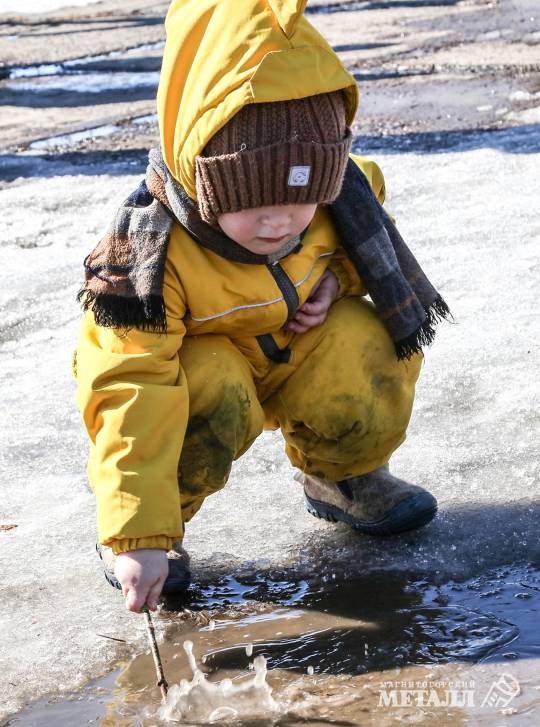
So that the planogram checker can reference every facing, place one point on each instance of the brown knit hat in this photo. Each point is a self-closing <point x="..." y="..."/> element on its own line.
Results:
<point x="280" y="152"/>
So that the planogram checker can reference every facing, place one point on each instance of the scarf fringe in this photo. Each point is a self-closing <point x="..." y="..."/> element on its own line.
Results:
<point x="113" y="311"/>
<point x="407" y="347"/>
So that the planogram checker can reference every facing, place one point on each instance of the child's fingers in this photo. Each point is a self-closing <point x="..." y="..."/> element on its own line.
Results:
<point x="301" y="326"/>
<point x="314" y="307"/>
<point x="322" y="300"/>
<point x="306" y="319"/>
<point x="136" y="598"/>
<point x="296" y="327"/>
<point x="154" y="594"/>
<point x="142" y="574"/>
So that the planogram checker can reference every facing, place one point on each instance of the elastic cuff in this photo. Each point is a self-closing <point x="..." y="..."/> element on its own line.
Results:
<point x="342" y="278"/>
<point x="159" y="542"/>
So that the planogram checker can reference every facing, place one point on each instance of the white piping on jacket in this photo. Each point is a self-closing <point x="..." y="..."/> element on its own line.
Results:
<point x="266" y="302"/>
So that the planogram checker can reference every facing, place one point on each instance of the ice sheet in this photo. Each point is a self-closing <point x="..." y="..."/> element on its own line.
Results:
<point x="471" y="218"/>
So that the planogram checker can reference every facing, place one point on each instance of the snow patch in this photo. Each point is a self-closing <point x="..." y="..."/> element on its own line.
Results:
<point x="88" y="82"/>
<point x="527" y="116"/>
<point x="45" y="69"/>
<point x="523" y="96"/>
<point x="57" y="69"/>
<point x="148" y="119"/>
<point x="75" y="137"/>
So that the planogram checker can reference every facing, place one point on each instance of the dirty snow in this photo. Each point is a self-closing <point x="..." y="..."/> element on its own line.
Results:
<point x="470" y="216"/>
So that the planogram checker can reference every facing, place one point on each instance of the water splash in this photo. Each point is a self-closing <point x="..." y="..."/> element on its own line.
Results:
<point x="200" y="700"/>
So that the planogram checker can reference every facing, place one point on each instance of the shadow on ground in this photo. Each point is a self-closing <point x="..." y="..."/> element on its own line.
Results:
<point x="523" y="139"/>
<point x="462" y="541"/>
<point x="513" y="140"/>
<point x="73" y="98"/>
<point x="130" y="21"/>
<point x="340" y="7"/>
<point x="87" y="163"/>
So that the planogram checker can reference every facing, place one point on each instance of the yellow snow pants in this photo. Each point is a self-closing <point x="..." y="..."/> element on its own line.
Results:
<point x="343" y="401"/>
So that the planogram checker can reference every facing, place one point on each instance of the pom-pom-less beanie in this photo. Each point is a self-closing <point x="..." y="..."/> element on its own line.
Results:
<point x="275" y="153"/>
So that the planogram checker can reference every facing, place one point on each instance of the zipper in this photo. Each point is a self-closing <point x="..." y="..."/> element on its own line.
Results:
<point x="267" y="342"/>
<point x="271" y="350"/>
<point x="286" y="287"/>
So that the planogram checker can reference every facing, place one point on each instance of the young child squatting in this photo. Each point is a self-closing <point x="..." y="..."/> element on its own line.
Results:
<point x="230" y="295"/>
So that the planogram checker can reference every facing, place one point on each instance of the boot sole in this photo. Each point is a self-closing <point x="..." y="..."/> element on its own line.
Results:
<point x="175" y="583"/>
<point x="412" y="513"/>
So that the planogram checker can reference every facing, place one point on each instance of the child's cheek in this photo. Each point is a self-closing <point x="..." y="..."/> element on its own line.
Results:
<point x="249" y="231"/>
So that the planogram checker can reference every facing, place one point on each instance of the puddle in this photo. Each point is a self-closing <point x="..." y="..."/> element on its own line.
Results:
<point x="86" y="82"/>
<point x="95" y="132"/>
<point x="75" y="137"/>
<point x="146" y="119"/>
<point x="75" y="65"/>
<point x="373" y="651"/>
<point x="53" y="142"/>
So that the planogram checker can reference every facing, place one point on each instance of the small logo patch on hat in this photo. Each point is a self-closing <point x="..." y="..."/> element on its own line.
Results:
<point x="299" y="176"/>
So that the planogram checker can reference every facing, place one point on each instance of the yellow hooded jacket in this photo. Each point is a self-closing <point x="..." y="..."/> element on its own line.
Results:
<point x="219" y="56"/>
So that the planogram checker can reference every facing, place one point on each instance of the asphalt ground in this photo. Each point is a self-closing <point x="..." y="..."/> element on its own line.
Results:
<point x="430" y="72"/>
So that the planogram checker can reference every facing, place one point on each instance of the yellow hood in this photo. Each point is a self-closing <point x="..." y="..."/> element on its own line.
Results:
<point x="223" y="54"/>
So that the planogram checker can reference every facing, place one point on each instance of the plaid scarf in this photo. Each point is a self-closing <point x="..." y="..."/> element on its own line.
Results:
<point x="123" y="283"/>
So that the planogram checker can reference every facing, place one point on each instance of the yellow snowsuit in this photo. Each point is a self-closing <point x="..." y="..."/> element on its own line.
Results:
<point x="168" y="414"/>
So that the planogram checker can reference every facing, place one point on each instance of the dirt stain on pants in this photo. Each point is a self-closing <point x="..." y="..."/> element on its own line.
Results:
<point x="343" y="402"/>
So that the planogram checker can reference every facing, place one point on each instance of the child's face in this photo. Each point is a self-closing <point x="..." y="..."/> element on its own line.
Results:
<point x="265" y="230"/>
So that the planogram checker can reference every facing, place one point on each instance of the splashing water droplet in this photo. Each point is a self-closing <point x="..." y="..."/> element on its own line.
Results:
<point x="222" y="713"/>
<point x="224" y="701"/>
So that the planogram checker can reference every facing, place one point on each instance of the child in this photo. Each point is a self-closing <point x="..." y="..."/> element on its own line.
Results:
<point x="229" y="297"/>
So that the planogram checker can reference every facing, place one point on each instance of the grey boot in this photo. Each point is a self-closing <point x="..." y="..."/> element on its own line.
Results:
<point x="176" y="582"/>
<point x="376" y="503"/>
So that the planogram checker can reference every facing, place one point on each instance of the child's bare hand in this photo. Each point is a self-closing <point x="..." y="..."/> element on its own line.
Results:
<point x="315" y="309"/>
<point x="141" y="574"/>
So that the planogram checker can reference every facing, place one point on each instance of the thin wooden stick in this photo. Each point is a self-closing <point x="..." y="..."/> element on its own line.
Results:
<point x="162" y="682"/>
<point x="112" y="638"/>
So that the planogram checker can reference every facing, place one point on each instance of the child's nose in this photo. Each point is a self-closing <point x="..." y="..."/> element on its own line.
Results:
<point x="278" y="220"/>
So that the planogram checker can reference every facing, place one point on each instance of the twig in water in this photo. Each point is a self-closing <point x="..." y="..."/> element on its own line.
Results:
<point x="162" y="682"/>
